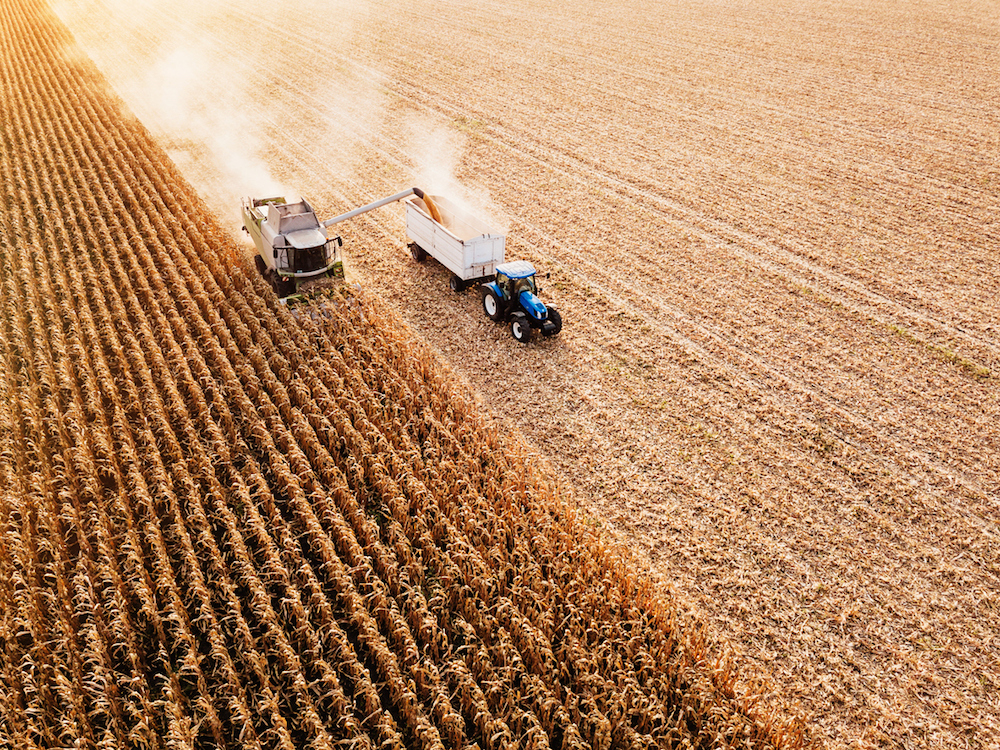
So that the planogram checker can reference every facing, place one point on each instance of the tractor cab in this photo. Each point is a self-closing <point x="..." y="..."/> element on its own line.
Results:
<point x="512" y="286"/>
<point x="516" y="277"/>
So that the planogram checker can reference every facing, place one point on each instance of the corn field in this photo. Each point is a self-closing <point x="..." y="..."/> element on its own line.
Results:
<point x="226" y="525"/>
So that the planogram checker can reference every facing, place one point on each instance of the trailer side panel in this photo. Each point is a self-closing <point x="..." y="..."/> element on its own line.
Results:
<point x="472" y="258"/>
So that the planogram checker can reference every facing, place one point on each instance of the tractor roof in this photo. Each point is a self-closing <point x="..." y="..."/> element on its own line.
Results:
<point x="516" y="269"/>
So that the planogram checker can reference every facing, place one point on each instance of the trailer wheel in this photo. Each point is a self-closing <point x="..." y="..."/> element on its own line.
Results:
<point x="520" y="329"/>
<point x="491" y="305"/>
<point x="418" y="253"/>
<point x="456" y="283"/>
<point x="556" y="319"/>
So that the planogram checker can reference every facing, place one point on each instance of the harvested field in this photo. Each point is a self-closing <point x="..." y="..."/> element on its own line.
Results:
<point x="773" y="231"/>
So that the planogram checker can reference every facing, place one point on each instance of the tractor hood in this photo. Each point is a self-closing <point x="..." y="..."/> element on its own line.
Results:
<point x="533" y="306"/>
<point x="303" y="239"/>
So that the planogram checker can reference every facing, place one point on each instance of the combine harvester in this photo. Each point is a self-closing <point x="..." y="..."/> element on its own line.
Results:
<point x="295" y="253"/>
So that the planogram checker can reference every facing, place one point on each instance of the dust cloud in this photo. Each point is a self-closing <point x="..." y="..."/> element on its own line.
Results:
<point x="248" y="100"/>
<point x="186" y="87"/>
<point x="436" y="151"/>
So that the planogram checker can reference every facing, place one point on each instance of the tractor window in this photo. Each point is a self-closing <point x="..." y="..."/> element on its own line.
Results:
<point x="525" y="285"/>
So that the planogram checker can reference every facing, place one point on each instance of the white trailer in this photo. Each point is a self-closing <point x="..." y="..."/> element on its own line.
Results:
<point x="461" y="242"/>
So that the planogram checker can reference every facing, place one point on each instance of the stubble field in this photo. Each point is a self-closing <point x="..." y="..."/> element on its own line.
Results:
<point x="773" y="231"/>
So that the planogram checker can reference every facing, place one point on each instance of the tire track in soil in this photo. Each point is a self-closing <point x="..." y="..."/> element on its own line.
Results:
<point x="777" y="552"/>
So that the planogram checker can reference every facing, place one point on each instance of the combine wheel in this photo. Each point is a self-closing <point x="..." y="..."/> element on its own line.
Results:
<point x="491" y="305"/>
<point x="261" y="265"/>
<point x="556" y="319"/>
<point x="418" y="253"/>
<point x="272" y="279"/>
<point x="520" y="329"/>
<point x="456" y="283"/>
<point x="281" y="286"/>
<point x="285" y="286"/>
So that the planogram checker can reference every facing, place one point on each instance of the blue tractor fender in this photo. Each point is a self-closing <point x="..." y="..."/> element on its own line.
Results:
<point x="495" y="288"/>
<point x="533" y="306"/>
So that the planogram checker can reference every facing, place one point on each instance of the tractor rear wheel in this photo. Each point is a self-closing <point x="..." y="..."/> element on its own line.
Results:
<point x="491" y="305"/>
<point x="520" y="329"/>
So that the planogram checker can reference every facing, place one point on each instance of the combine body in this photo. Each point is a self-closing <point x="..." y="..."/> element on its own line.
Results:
<point x="462" y="243"/>
<point x="292" y="246"/>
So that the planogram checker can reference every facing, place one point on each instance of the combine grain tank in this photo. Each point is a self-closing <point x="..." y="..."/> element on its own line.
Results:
<point x="462" y="243"/>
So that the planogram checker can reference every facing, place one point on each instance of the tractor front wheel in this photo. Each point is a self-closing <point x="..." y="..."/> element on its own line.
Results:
<point x="491" y="305"/>
<point x="520" y="329"/>
<point x="556" y="319"/>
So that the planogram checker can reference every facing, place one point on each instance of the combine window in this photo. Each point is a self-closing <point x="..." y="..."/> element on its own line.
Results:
<point x="308" y="259"/>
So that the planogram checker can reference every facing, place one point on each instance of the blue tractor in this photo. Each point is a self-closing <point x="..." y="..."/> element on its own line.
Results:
<point x="513" y="296"/>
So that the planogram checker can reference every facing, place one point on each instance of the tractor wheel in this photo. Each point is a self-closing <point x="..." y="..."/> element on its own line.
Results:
<point x="456" y="284"/>
<point x="492" y="306"/>
<point x="261" y="265"/>
<point x="418" y="253"/>
<point x="520" y="329"/>
<point x="556" y="318"/>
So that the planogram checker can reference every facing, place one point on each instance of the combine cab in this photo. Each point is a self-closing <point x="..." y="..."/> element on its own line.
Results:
<point x="292" y="246"/>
